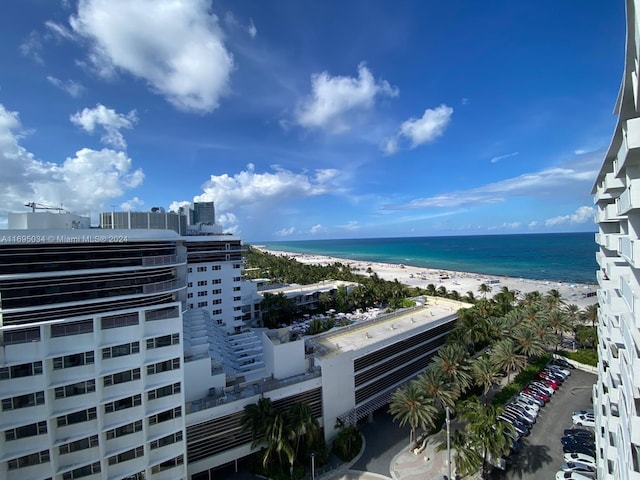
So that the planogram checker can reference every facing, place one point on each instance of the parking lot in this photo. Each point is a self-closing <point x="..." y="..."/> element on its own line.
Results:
<point x="541" y="454"/>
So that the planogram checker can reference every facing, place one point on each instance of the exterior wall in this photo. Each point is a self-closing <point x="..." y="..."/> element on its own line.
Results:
<point x="79" y="391"/>
<point x="47" y="220"/>
<point x="616" y="196"/>
<point x="145" y="220"/>
<point x="283" y="359"/>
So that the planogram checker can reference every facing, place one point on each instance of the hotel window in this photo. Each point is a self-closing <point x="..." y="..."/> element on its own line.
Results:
<point x="75" y="360"/>
<point x="123" y="404"/>
<point x="78" y="445"/>
<point x="237" y="309"/>
<point x="216" y="291"/>
<point x="77" y="417"/>
<point x="164" y="391"/>
<point x="216" y="312"/>
<point x="202" y="304"/>
<point x="217" y="301"/>
<point x="202" y="293"/>
<point x="118" y="321"/>
<point x="189" y="284"/>
<point x="26" y="431"/>
<point x="189" y="295"/>
<point x="126" y="456"/>
<point x="190" y="270"/>
<point x="22" y="335"/>
<point x="202" y="269"/>
<point x="237" y="289"/>
<point x="236" y="265"/>
<point x="23" y="401"/>
<point x="82" y="471"/>
<point x="216" y="281"/>
<point x="29" y="460"/>
<point x="121" y="350"/>
<point x="202" y="283"/>
<point x="166" y="415"/>
<point x="161" y="467"/>
<point x="219" y="321"/>
<point x="216" y="267"/>
<point x="124" y="430"/>
<point x="164" y="341"/>
<point x="22" y="370"/>
<point x="237" y="299"/>
<point x="121" y="377"/>
<point x="168" y="440"/>
<point x="237" y="279"/>
<point x="71" y="328"/>
<point x="191" y="305"/>
<point x="74" y="389"/>
<point x="165" y="366"/>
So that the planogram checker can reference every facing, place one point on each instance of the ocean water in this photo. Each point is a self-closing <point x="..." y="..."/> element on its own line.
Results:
<point x="565" y="257"/>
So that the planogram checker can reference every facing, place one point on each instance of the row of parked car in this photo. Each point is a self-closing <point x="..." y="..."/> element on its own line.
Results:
<point x="522" y="411"/>
<point x="579" y="447"/>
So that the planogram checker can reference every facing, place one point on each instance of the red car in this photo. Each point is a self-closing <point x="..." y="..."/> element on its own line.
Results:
<point x="549" y="382"/>
<point x="536" y="393"/>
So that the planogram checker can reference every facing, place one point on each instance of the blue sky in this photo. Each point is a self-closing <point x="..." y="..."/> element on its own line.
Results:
<point x="313" y="119"/>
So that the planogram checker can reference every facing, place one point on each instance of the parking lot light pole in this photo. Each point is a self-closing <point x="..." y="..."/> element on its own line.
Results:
<point x="313" y="466"/>
<point x="446" y="409"/>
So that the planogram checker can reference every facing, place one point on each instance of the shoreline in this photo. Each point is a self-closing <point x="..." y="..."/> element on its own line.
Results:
<point x="462" y="282"/>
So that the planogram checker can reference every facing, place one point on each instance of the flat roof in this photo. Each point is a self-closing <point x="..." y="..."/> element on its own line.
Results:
<point x="369" y="332"/>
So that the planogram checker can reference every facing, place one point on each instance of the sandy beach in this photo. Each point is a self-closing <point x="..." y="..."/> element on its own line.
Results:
<point x="463" y="282"/>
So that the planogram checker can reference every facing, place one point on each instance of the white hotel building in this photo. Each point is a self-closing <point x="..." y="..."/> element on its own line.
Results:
<point x="617" y="198"/>
<point x="109" y="369"/>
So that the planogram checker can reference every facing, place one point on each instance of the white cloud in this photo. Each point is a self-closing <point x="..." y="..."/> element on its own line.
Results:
<point x="176" y="47"/>
<point x="32" y="47"/>
<point x="548" y="183"/>
<point x="351" y="226"/>
<point x="131" y="205"/>
<point x="74" y="89"/>
<point x="332" y="99"/>
<point x="60" y="31"/>
<point x="253" y="31"/>
<point x="464" y="101"/>
<point x="82" y="183"/>
<point x="504" y="157"/>
<point x="251" y="189"/>
<point x="533" y="224"/>
<point x="286" y="232"/>
<point x="109" y="120"/>
<point x="426" y="129"/>
<point x="317" y="229"/>
<point x="581" y="215"/>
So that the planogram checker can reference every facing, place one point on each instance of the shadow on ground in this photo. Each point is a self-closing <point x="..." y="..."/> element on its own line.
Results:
<point x="527" y="462"/>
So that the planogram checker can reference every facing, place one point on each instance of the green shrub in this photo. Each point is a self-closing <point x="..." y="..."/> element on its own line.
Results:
<point x="522" y="379"/>
<point x="586" y="356"/>
<point x="347" y="444"/>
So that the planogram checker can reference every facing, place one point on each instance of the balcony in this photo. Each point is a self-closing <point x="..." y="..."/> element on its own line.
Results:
<point x="607" y="213"/>
<point x="160" y="287"/>
<point x="627" y="291"/>
<point x="629" y="151"/>
<point x="124" y="442"/>
<point x="611" y="183"/>
<point x="161" y="260"/>
<point x="630" y="198"/>
<point x="70" y="460"/>
<point x="22" y="446"/>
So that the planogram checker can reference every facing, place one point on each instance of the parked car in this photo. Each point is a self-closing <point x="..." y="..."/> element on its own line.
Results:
<point x="529" y="417"/>
<point x="562" y="363"/>
<point x="583" y="412"/>
<point x="520" y="428"/>
<point x="578" y="448"/>
<point x="530" y="398"/>
<point x="561" y="475"/>
<point x="524" y="408"/>
<point x="554" y="374"/>
<point x="580" y="457"/>
<point x="528" y="404"/>
<point x="580" y="432"/>
<point x="517" y="418"/>
<point x="577" y="441"/>
<point x="532" y="390"/>
<point x="548" y="377"/>
<point x="582" y="468"/>
<point x="584" y="420"/>
<point x="559" y="370"/>
<point x="544" y="387"/>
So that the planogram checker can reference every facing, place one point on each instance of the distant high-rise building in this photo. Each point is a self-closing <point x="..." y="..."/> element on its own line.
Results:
<point x="202" y="212"/>
<point x="616" y="395"/>
<point x="157" y="218"/>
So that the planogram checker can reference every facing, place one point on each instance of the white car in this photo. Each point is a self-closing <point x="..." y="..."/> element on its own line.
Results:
<point x="533" y="407"/>
<point x="581" y="468"/>
<point x="544" y="387"/>
<point x="584" y="420"/>
<point x="558" y="369"/>
<point x="584" y="412"/>
<point x="562" y="475"/>
<point x="580" y="457"/>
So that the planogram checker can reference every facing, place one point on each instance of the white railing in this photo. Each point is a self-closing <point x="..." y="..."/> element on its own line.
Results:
<point x="624" y="202"/>
<point x="627" y="294"/>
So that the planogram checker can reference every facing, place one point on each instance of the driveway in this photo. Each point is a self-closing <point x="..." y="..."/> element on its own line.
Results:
<point x="541" y="454"/>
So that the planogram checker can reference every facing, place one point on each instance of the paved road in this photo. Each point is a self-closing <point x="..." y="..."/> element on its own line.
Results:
<point x="542" y="455"/>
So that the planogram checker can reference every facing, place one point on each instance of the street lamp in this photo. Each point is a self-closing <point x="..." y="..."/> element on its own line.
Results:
<point x="446" y="409"/>
<point x="313" y="466"/>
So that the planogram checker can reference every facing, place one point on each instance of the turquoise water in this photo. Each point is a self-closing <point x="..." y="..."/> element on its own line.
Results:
<point x="566" y="257"/>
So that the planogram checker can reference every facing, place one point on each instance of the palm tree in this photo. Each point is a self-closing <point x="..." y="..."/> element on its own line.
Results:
<point x="485" y="433"/>
<point x="431" y="290"/>
<point x="453" y="361"/>
<point x="527" y="342"/>
<point x="409" y="406"/>
<point x="484" y="374"/>
<point x="304" y="426"/>
<point x="505" y="356"/>
<point x="531" y="298"/>
<point x="278" y="437"/>
<point x="256" y="419"/>
<point x="471" y="326"/>
<point x="435" y="386"/>
<point x="591" y="314"/>
<point x="484" y="289"/>
<point x="559" y="323"/>
<point x="469" y="297"/>
<point x="466" y="458"/>
<point x="325" y="300"/>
